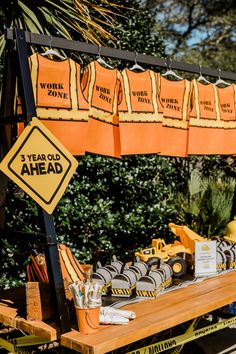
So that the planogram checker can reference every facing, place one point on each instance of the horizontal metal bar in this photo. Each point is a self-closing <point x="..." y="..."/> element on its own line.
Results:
<point x="4" y="343"/>
<point x="30" y="340"/>
<point x="67" y="44"/>
<point x="40" y="238"/>
<point x="16" y="118"/>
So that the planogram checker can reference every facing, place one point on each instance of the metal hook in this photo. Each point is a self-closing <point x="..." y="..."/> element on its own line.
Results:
<point x="99" y="50"/>
<point x="220" y="81"/>
<point x="101" y="60"/>
<point x="200" y="69"/>
<point x="136" y="66"/>
<point x="168" y="63"/>
<point x="50" y="42"/>
<point x="201" y="78"/>
<point x="80" y="59"/>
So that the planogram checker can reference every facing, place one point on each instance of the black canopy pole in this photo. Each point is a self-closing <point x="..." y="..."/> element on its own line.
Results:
<point x="46" y="220"/>
<point x="77" y="46"/>
<point x="6" y="108"/>
<point x="24" y="82"/>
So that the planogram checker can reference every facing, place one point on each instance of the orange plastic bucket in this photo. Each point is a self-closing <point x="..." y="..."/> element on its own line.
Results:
<point x="88" y="319"/>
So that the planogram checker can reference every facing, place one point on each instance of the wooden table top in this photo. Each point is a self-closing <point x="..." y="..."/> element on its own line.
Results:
<point x="154" y="316"/>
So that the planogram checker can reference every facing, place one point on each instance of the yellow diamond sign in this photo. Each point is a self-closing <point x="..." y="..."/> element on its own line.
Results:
<point x="40" y="165"/>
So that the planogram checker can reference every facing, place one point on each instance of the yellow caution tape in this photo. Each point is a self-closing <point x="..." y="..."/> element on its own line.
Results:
<point x="106" y="287"/>
<point x="190" y="329"/>
<point x="184" y="338"/>
<point x="221" y="266"/>
<point x="145" y="293"/>
<point x="167" y="282"/>
<point x="121" y="291"/>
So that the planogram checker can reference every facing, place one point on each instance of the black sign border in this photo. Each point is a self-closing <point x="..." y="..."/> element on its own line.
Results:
<point x="22" y="180"/>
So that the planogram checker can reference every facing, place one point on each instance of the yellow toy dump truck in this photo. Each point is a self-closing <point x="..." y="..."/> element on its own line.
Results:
<point x="178" y="254"/>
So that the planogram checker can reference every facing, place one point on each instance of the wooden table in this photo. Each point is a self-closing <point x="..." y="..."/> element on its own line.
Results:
<point x="153" y="316"/>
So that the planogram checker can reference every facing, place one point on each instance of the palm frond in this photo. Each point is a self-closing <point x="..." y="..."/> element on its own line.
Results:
<point x="206" y="204"/>
<point x="67" y="18"/>
<point x="30" y="17"/>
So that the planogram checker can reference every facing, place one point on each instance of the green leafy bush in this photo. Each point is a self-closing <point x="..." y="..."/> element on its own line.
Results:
<point x="206" y="204"/>
<point x="116" y="206"/>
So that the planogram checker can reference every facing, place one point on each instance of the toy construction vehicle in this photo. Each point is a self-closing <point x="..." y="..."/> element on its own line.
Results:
<point x="178" y="254"/>
<point x="231" y="231"/>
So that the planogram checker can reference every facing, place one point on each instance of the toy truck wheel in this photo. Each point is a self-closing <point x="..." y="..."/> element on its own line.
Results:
<point x="153" y="263"/>
<point x="178" y="265"/>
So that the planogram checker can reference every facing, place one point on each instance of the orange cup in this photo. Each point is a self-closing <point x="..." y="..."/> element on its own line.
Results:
<point x="88" y="319"/>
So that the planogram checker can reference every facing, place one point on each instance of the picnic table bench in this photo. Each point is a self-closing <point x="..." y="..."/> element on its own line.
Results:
<point x="153" y="316"/>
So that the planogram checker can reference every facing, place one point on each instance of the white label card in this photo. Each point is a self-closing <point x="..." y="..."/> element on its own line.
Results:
<point x="205" y="258"/>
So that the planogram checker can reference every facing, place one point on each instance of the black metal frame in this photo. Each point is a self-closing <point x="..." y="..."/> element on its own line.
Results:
<point x="19" y="58"/>
<point x="22" y="72"/>
<point x="77" y="46"/>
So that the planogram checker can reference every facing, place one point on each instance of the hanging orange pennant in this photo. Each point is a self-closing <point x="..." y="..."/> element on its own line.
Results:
<point x="212" y="120"/>
<point x="175" y="99"/>
<point x="101" y="87"/>
<point x="59" y="100"/>
<point x="139" y="117"/>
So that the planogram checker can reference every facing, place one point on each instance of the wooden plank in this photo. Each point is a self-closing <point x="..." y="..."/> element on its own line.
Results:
<point x="38" y="328"/>
<point x="39" y="304"/>
<point x="11" y="303"/>
<point x="154" y="316"/>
